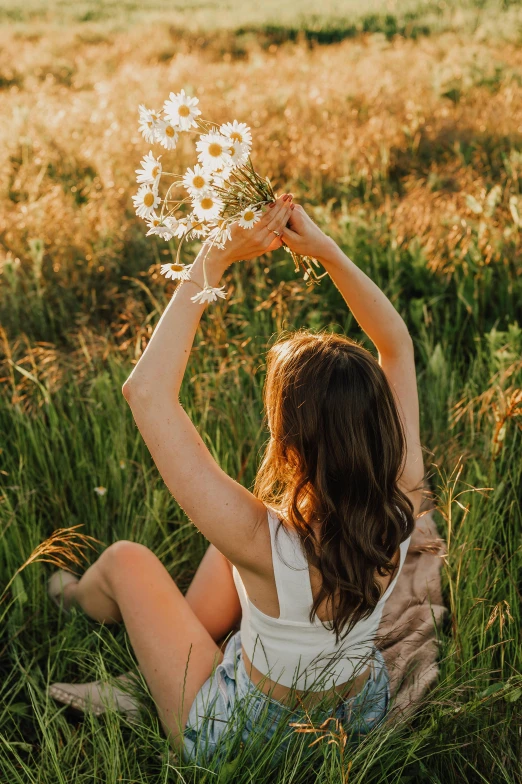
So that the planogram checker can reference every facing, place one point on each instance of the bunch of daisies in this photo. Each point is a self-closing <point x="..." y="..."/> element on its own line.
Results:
<point x="222" y="187"/>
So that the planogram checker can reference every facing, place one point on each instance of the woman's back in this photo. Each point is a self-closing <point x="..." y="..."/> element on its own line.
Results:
<point x="284" y="648"/>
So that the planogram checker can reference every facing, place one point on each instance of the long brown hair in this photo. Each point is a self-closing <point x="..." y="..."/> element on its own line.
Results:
<point x="335" y="454"/>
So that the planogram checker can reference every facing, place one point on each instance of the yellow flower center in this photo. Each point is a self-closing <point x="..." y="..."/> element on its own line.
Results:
<point x="215" y="149"/>
<point x="156" y="170"/>
<point x="148" y="199"/>
<point x="198" y="181"/>
<point x="156" y="223"/>
<point x="248" y="216"/>
<point x="183" y="110"/>
<point x="197" y="226"/>
<point x="236" y="137"/>
<point x="169" y="131"/>
<point x="207" y="203"/>
<point x="176" y="267"/>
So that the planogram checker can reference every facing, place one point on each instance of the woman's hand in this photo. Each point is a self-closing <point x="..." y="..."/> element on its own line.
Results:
<point x="303" y="236"/>
<point x="249" y="243"/>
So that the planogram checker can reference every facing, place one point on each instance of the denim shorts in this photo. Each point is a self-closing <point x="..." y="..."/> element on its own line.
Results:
<point x="229" y="709"/>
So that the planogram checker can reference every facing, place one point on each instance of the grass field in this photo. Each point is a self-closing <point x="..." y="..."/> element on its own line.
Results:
<point x="400" y="129"/>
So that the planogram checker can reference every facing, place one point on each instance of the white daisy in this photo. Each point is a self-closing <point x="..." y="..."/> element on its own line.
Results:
<point x="221" y="176"/>
<point x="237" y="132"/>
<point x="196" y="226"/>
<point x="158" y="228"/>
<point x="207" y="206"/>
<point x="166" y="134"/>
<point x="238" y="153"/>
<point x="150" y="172"/>
<point x="209" y="294"/>
<point x="213" y="151"/>
<point x="176" y="271"/>
<point x="146" y="201"/>
<point x="181" y="111"/>
<point x="197" y="180"/>
<point x="180" y="228"/>
<point x="249" y="218"/>
<point x="220" y="234"/>
<point x="148" y="122"/>
<point x="173" y="224"/>
<point x="100" y="490"/>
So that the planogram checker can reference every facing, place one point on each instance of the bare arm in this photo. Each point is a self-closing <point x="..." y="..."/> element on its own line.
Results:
<point x="372" y="309"/>
<point x="222" y="509"/>
<point x="384" y="326"/>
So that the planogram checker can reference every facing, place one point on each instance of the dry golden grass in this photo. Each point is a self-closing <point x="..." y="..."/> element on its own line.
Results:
<point x="414" y="134"/>
<point x="408" y="152"/>
<point x="363" y="118"/>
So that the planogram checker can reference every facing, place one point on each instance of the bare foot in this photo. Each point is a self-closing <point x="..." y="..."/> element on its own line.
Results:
<point x="62" y="587"/>
<point x="68" y="594"/>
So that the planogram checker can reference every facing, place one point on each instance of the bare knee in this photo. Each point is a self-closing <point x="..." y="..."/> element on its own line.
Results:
<point x="122" y="557"/>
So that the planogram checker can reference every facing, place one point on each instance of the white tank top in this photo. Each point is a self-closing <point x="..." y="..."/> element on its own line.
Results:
<point x="289" y="649"/>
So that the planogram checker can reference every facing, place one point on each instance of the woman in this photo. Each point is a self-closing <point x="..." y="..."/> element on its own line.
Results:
<point x="306" y="561"/>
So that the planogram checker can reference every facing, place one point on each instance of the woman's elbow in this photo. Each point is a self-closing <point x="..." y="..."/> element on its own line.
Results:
<point x="130" y="391"/>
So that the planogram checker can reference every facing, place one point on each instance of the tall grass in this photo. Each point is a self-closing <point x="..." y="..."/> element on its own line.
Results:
<point x="412" y="162"/>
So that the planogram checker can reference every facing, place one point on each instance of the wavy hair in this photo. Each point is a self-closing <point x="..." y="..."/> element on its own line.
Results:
<point x="335" y="454"/>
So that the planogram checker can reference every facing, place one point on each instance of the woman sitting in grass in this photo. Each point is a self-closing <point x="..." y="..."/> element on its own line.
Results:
<point x="308" y="560"/>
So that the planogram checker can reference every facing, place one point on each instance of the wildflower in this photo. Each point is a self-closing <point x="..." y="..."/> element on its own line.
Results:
<point x="220" y="176"/>
<point x="158" y="227"/>
<point x="145" y="201"/>
<point x="220" y="234"/>
<point x="209" y="294"/>
<point x="150" y="171"/>
<point x="238" y="153"/>
<point x="148" y="122"/>
<point x="196" y="226"/>
<point x="197" y="180"/>
<point x="207" y="206"/>
<point x="213" y="151"/>
<point x="100" y="490"/>
<point x="249" y="218"/>
<point x="173" y="224"/>
<point x="176" y="271"/>
<point x="181" y="110"/>
<point x="166" y="134"/>
<point x="237" y="132"/>
<point x="179" y="227"/>
<point x="123" y="465"/>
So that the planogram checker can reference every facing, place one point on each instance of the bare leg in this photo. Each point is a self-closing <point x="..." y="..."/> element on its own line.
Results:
<point x="93" y="594"/>
<point x="175" y="652"/>
<point x="213" y="596"/>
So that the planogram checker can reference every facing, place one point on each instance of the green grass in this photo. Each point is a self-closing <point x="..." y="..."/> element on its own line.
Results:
<point x="68" y="340"/>
<point x="54" y="457"/>
<point x="330" y="21"/>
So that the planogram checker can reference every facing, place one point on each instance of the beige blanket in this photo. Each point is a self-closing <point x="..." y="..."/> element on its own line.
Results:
<point x="412" y="615"/>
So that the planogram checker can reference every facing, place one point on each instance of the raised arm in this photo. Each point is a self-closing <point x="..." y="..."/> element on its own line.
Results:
<point x="371" y="308"/>
<point x="385" y="327"/>
<point x="222" y="509"/>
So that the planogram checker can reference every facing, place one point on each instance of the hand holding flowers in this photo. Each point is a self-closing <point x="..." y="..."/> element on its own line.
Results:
<point x="265" y="235"/>
<point x="302" y="235"/>
<point x="226" y="196"/>
<point x="241" y="245"/>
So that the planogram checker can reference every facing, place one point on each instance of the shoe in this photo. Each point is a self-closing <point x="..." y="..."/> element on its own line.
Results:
<point x="96" y="697"/>
<point x="57" y="583"/>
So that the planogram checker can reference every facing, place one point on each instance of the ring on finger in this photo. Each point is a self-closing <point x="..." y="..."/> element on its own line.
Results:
<point x="277" y="233"/>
